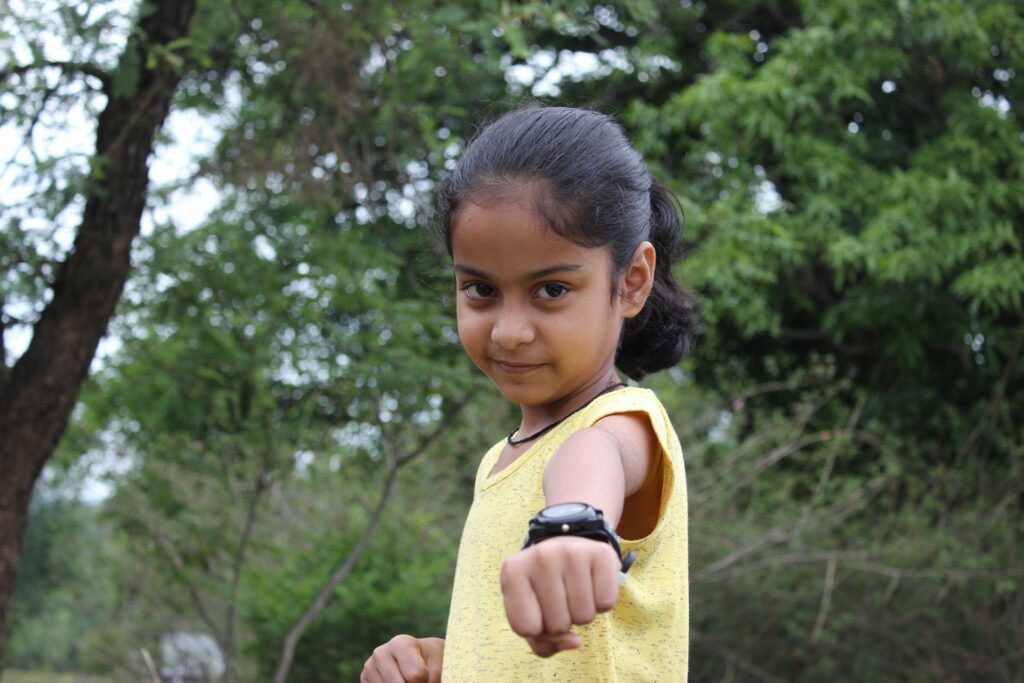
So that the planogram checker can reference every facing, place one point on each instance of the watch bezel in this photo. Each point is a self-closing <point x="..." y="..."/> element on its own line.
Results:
<point x="588" y="522"/>
<point x="585" y="514"/>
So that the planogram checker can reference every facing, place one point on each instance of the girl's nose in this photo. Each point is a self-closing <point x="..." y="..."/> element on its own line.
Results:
<point x="512" y="329"/>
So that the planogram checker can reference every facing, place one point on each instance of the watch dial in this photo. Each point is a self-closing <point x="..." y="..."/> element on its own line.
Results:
<point x="564" y="510"/>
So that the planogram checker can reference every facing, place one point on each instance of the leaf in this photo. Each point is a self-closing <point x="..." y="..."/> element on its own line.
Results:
<point x="125" y="77"/>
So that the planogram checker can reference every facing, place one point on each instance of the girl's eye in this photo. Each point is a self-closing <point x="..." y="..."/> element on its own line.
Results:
<point x="478" y="290"/>
<point x="551" y="290"/>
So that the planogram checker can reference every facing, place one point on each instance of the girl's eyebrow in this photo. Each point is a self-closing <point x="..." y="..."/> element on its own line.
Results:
<point x="543" y="272"/>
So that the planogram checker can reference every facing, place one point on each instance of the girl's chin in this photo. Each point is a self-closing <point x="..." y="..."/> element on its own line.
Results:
<point x="523" y="394"/>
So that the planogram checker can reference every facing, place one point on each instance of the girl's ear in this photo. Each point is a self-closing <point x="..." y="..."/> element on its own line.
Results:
<point x="638" y="279"/>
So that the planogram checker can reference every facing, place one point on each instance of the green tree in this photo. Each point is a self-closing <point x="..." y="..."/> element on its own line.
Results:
<point x="851" y="175"/>
<point x="71" y="301"/>
<point x="305" y="311"/>
<point x="241" y="368"/>
<point x="62" y="586"/>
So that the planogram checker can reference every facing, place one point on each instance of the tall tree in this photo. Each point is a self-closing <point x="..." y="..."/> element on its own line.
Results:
<point x="38" y="392"/>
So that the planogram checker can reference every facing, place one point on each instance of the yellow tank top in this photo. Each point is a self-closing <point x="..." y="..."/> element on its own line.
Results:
<point x="644" y="638"/>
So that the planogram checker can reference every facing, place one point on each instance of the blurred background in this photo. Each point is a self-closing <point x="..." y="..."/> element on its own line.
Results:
<point x="265" y="473"/>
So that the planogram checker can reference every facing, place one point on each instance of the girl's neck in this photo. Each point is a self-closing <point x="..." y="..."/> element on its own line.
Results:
<point x="535" y="418"/>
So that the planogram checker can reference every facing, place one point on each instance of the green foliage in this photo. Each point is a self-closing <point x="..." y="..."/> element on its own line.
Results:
<point x="897" y="176"/>
<point x="125" y="77"/>
<point x="41" y="677"/>
<point x="851" y="176"/>
<point x="63" y="586"/>
<point x="402" y="585"/>
<point x="45" y="183"/>
<point x="913" y="556"/>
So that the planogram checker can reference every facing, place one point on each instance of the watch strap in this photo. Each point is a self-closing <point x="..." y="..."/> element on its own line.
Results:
<point x="600" y="531"/>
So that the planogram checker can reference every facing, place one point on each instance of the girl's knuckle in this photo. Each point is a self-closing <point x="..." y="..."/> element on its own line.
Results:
<point x="606" y="602"/>
<point x="526" y="628"/>
<point x="583" y="615"/>
<point x="562" y="624"/>
<point x="548" y="557"/>
<point x="507" y="578"/>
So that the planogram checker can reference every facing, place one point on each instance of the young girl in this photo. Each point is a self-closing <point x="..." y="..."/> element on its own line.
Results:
<point x="562" y="245"/>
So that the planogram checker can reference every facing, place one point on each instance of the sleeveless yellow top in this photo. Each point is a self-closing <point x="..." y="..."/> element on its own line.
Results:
<point x="644" y="638"/>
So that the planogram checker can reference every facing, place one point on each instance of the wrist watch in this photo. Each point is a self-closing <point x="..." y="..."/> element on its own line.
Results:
<point x="576" y="519"/>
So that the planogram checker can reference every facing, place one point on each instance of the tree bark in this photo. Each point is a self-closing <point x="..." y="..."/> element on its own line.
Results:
<point x="39" y="392"/>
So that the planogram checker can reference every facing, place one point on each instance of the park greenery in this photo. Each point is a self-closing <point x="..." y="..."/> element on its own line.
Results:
<point x="288" y="426"/>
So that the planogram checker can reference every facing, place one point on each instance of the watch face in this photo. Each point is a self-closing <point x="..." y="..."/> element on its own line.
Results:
<point x="564" y="510"/>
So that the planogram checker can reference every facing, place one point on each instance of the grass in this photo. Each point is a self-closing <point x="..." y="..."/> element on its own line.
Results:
<point x="10" y="676"/>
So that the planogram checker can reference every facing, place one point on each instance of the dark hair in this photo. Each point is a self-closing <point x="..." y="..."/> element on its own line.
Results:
<point x="595" y="190"/>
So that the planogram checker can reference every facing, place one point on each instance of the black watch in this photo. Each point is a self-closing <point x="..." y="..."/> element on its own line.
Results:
<point x="576" y="519"/>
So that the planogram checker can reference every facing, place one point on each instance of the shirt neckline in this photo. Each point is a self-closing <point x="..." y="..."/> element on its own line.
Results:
<point x="491" y="458"/>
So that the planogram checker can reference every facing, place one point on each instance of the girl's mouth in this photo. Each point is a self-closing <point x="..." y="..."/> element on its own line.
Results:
<point x="511" y="368"/>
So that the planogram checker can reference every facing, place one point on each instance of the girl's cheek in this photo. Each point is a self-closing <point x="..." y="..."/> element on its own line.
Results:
<point x="469" y="328"/>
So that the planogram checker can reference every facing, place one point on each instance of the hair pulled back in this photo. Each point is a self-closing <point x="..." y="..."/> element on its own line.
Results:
<point x="592" y="187"/>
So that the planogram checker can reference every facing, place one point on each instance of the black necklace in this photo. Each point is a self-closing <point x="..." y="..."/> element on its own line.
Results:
<point x="518" y="442"/>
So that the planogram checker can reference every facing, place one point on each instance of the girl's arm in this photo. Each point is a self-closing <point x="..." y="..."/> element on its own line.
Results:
<point x="553" y="585"/>
<point x="604" y="465"/>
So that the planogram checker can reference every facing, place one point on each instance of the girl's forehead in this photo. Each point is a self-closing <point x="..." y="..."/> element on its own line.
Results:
<point x="510" y="240"/>
<point x="492" y="191"/>
<point x="513" y="221"/>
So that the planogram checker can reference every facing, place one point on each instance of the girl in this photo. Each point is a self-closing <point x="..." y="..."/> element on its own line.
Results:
<point x="562" y="244"/>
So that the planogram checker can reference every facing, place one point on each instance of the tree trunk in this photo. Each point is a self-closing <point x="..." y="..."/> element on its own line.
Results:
<point x="37" y="396"/>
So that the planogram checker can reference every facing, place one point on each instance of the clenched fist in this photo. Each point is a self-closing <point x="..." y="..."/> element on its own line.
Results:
<point x="405" y="659"/>
<point x="551" y="586"/>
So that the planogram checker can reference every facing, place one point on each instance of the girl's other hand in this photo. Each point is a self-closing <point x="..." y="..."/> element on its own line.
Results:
<point x="405" y="659"/>
<point x="554" y="585"/>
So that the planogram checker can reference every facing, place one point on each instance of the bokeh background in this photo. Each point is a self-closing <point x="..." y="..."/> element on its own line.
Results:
<point x="271" y="458"/>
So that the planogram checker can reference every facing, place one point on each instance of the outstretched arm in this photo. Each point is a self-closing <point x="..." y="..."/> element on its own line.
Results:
<point x="551" y="586"/>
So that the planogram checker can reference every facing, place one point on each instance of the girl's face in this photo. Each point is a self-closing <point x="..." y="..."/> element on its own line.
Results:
<point x="535" y="311"/>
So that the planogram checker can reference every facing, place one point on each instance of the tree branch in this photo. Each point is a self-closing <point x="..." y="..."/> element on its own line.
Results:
<point x="770" y="387"/>
<point x="33" y="122"/>
<point x="826" y="472"/>
<point x="731" y="658"/>
<point x="341" y="572"/>
<point x="259" y="488"/>
<point x="998" y="393"/>
<point x="337" y="576"/>
<point x="826" y="600"/>
<point x="177" y="563"/>
<point x="770" y="459"/>
<point x="830" y="517"/>
<point x="67" y="68"/>
<point x="440" y="428"/>
<point x="3" y="346"/>
<point x="858" y="560"/>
